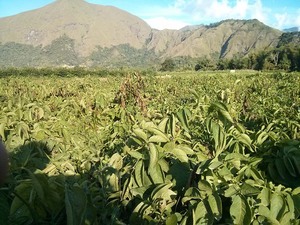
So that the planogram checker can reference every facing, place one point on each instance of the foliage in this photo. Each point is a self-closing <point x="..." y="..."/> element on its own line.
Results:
<point x="122" y="55"/>
<point x="286" y="56"/>
<point x="167" y="65"/>
<point x="213" y="148"/>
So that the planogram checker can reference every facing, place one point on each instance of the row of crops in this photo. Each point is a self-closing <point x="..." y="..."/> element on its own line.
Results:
<point x="185" y="148"/>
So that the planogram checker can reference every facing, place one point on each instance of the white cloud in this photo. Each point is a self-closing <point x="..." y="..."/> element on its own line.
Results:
<point x="161" y="23"/>
<point x="281" y="20"/>
<point x="256" y="11"/>
<point x="224" y="9"/>
<point x="298" y="20"/>
<point x="196" y="12"/>
<point x="203" y="12"/>
<point x="285" y="20"/>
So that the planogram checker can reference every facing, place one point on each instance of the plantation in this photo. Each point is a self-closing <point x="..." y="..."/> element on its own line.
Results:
<point x="181" y="148"/>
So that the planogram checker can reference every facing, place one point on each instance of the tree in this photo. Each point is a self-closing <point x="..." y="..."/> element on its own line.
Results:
<point x="205" y="64"/>
<point x="223" y="64"/>
<point x="260" y="60"/>
<point x="236" y="62"/>
<point x="168" y="65"/>
<point x="285" y="63"/>
<point x="274" y="57"/>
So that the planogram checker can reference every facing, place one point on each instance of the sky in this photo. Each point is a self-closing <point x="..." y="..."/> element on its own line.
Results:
<point x="175" y="14"/>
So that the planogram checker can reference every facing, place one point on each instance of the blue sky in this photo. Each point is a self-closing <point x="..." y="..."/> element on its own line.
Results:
<point x="174" y="14"/>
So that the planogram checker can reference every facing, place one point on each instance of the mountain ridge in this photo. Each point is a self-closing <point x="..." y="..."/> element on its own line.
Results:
<point x="92" y="34"/>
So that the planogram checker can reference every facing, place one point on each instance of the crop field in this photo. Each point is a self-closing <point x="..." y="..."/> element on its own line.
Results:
<point x="179" y="148"/>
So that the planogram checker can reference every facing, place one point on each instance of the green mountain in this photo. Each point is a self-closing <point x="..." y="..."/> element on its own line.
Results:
<point x="74" y="32"/>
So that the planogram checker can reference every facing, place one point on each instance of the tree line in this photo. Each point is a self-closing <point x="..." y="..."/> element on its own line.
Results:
<point x="280" y="58"/>
<point x="285" y="57"/>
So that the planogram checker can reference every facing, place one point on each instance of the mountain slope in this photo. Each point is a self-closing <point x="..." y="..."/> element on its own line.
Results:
<point x="89" y="25"/>
<point x="74" y="32"/>
<point x="223" y="39"/>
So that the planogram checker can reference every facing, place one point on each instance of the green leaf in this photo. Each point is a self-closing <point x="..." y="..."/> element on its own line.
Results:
<point x="265" y="196"/>
<point x="138" y="173"/>
<point x="249" y="190"/>
<point x="182" y="117"/>
<point x="39" y="183"/>
<point x="116" y="161"/>
<point x="143" y="208"/>
<point x="178" y="153"/>
<point x="139" y="191"/>
<point x="191" y="193"/>
<point x="289" y="165"/>
<point x="19" y="208"/>
<point x="273" y="172"/>
<point x="153" y="153"/>
<point x="262" y="137"/>
<point x="240" y="211"/>
<point x="173" y="125"/>
<point x="296" y="200"/>
<point x="215" y="164"/>
<point x="281" y="169"/>
<point x="180" y="173"/>
<point x="163" y="124"/>
<point x="172" y="220"/>
<point x="205" y="187"/>
<point x="215" y="204"/>
<point x="236" y="156"/>
<point x="265" y="212"/>
<point x="202" y="216"/>
<point x="137" y="155"/>
<point x="141" y="134"/>
<point x="287" y="218"/>
<point x="156" y="174"/>
<point x="277" y="205"/>
<point x="223" y="111"/>
<point x="158" y="133"/>
<point x="162" y="191"/>
<point x="76" y="203"/>
<point x="232" y="190"/>
<point x="2" y="129"/>
<point x="244" y="138"/>
<point x="158" y="139"/>
<point x="186" y="149"/>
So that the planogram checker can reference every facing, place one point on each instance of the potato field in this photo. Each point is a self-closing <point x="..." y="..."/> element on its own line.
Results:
<point x="184" y="148"/>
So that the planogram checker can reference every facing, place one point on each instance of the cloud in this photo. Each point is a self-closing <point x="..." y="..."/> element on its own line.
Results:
<point x="161" y="23"/>
<point x="204" y="12"/>
<point x="196" y="12"/>
<point x="285" y="20"/>
<point x="224" y="9"/>
<point x="281" y="20"/>
<point x="298" y="20"/>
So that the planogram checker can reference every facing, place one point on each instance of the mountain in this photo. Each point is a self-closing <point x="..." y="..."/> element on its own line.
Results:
<point x="88" y="24"/>
<point x="74" y="32"/>
<point x="292" y="29"/>
<point x="223" y="39"/>
<point x="289" y="38"/>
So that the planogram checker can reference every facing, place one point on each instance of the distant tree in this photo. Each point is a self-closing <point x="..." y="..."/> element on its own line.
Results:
<point x="223" y="64"/>
<point x="236" y="62"/>
<point x="205" y="64"/>
<point x="274" y="56"/>
<point x="285" y="63"/>
<point x="260" y="60"/>
<point x="168" y="65"/>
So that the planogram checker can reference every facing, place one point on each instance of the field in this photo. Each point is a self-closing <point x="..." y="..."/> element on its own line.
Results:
<point x="179" y="148"/>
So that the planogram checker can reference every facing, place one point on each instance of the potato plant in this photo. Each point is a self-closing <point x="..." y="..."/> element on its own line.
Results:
<point x="211" y="148"/>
